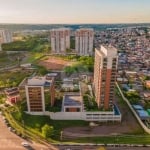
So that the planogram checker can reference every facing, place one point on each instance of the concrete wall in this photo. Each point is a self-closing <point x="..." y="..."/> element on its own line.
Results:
<point x="87" y="116"/>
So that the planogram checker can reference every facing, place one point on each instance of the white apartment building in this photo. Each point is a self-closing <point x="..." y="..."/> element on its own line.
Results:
<point x="60" y="40"/>
<point x="5" y="36"/>
<point x="84" y="41"/>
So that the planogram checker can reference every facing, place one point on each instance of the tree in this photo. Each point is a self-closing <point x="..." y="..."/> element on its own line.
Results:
<point x="47" y="131"/>
<point x="42" y="70"/>
<point x="133" y="97"/>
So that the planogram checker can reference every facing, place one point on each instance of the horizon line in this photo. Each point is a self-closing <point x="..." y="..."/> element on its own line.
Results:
<point x="75" y="23"/>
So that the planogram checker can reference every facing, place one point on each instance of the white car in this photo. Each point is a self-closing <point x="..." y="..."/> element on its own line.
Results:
<point x="25" y="144"/>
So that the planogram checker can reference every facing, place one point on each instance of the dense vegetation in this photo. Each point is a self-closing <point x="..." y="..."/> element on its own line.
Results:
<point x="85" y="64"/>
<point x="11" y="79"/>
<point x="133" y="97"/>
<point x="10" y="59"/>
<point x="90" y="103"/>
<point x="34" y="44"/>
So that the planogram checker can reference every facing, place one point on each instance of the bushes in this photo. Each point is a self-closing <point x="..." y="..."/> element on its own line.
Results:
<point x="85" y="65"/>
<point x="133" y="97"/>
<point x="47" y="131"/>
<point x="90" y="103"/>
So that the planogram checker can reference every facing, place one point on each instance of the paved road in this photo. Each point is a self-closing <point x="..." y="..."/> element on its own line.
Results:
<point x="98" y="147"/>
<point x="10" y="141"/>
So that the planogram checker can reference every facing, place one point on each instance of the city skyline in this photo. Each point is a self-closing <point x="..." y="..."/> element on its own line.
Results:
<point x="74" y="11"/>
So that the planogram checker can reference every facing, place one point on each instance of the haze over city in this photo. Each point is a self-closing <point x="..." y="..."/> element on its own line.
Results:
<point x="74" y="11"/>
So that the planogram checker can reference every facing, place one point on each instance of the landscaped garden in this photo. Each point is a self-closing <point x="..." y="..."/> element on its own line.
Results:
<point x="90" y="103"/>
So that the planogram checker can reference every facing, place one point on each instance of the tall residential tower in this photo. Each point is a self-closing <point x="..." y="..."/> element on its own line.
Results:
<point x="84" y="41"/>
<point x="5" y="37"/>
<point x="105" y="68"/>
<point x="60" y="40"/>
<point x="39" y="90"/>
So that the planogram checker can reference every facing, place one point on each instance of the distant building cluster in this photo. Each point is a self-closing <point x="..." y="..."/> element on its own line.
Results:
<point x="5" y="36"/>
<point x="60" y="41"/>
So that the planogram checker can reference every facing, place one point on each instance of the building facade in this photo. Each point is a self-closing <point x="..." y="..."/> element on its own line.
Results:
<point x="105" y="68"/>
<point x="84" y="41"/>
<point x="36" y="93"/>
<point x="5" y="36"/>
<point x="12" y="95"/>
<point x="60" y="40"/>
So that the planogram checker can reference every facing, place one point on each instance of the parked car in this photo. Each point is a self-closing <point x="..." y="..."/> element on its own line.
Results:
<point x="25" y="144"/>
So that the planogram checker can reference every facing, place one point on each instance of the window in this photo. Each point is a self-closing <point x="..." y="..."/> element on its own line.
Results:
<point x="105" y="59"/>
<point x="78" y="109"/>
<point x="67" y="109"/>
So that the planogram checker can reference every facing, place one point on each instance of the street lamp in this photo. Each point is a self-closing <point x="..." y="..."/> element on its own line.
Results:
<point x="61" y="135"/>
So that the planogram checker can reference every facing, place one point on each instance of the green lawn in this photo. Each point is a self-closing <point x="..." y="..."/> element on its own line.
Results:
<point x="35" y="123"/>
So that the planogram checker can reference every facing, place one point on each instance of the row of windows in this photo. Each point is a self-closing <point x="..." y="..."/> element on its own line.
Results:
<point x="35" y="107"/>
<point x="35" y="99"/>
<point x="38" y="110"/>
<point x="32" y="103"/>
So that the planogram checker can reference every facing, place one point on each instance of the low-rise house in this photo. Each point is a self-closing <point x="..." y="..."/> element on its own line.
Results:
<point x="147" y="83"/>
<point x="146" y="96"/>
<point x="122" y="80"/>
<point x="12" y="94"/>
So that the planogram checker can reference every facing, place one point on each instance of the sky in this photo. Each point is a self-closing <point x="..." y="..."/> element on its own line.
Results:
<point x="74" y="11"/>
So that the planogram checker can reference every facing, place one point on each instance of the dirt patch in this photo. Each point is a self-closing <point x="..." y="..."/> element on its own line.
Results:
<point x="55" y="63"/>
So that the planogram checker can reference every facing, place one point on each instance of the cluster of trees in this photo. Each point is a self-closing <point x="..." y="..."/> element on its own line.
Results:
<point x="133" y="97"/>
<point x="28" y="44"/>
<point x="85" y="64"/>
<point x="41" y="70"/>
<point x="146" y="78"/>
<point x="11" y="79"/>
